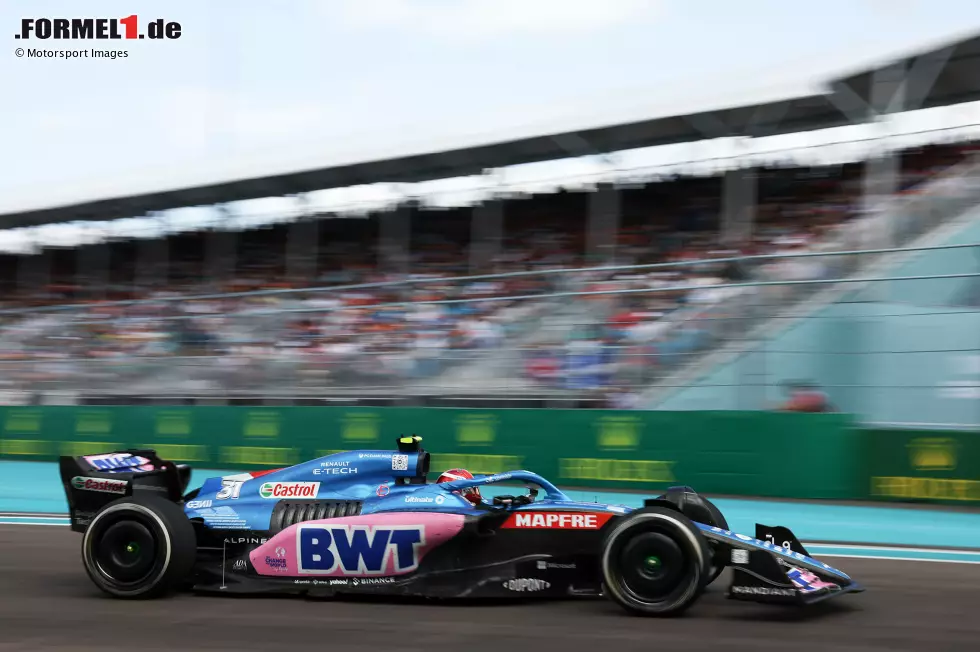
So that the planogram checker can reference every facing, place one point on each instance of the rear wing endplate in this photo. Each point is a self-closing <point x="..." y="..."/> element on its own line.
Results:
<point x="93" y="481"/>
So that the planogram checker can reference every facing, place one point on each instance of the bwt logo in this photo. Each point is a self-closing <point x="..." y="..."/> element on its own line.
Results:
<point x="358" y="549"/>
<point x="95" y="28"/>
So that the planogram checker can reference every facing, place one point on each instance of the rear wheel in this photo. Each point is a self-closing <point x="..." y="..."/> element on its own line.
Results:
<point x="139" y="547"/>
<point x="654" y="562"/>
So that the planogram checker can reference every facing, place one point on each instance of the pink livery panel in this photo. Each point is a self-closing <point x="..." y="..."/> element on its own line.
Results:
<point x="372" y="545"/>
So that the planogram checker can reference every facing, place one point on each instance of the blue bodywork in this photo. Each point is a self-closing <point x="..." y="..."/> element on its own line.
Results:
<point x="237" y="501"/>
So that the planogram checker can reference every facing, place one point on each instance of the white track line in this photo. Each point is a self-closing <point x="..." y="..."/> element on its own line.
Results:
<point x="861" y="546"/>
<point x="905" y="559"/>
<point x="38" y="522"/>
<point x="34" y="518"/>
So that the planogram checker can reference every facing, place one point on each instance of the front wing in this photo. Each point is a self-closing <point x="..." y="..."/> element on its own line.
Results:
<point x="774" y="567"/>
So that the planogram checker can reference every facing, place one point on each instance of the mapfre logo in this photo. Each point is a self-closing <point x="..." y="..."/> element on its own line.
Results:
<point x="80" y="29"/>
<point x="557" y="521"/>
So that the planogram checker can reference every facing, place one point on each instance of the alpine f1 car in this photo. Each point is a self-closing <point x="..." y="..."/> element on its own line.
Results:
<point x="370" y="522"/>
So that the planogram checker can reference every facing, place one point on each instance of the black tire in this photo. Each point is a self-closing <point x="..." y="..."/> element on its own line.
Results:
<point x="719" y="553"/>
<point x="654" y="562"/>
<point x="139" y="547"/>
<point x="698" y="508"/>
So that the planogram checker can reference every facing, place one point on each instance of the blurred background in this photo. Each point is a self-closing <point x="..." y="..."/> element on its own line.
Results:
<point x="624" y="244"/>
<point x="812" y="244"/>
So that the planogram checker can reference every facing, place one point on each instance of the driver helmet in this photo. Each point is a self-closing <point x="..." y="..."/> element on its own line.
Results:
<point x="471" y="494"/>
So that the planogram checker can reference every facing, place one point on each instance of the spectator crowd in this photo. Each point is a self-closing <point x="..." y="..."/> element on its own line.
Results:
<point x="334" y="312"/>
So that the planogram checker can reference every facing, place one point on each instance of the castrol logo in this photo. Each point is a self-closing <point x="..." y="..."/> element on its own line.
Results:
<point x="104" y="486"/>
<point x="289" y="490"/>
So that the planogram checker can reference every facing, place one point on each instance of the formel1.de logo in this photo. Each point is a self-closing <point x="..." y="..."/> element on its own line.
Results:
<point x="81" y="29"/>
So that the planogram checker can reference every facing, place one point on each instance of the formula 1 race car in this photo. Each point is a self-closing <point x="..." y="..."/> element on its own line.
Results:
<point x="370" y="522"/>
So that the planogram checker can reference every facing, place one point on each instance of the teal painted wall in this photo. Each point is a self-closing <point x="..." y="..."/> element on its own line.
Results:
<point x="937" y="292"/>
<point x="900" y="351"/>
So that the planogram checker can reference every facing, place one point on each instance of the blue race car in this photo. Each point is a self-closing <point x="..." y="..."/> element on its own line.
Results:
<point x="371" y="522"/>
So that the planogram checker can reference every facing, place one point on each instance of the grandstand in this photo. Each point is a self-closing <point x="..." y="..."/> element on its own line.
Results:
<point x="610" y="291"/>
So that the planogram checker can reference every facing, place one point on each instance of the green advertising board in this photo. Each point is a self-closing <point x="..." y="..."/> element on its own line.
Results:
<point x="923" y="465"/>
<point x="725" y="452"/>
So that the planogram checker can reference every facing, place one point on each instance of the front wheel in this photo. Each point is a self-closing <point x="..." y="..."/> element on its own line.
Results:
<point x="719" y="553"/>
<point x="139" y="547"/>
<point x="698" y="508"/>
<point x="654" y="562"/>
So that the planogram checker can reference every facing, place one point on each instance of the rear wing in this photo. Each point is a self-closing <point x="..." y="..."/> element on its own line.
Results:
<point x="93" y="481"/>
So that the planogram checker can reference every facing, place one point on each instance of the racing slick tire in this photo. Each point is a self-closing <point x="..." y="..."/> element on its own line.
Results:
<point x="139" y="547"/>
<point x="654" y="562"/>
<point x="698" y="508"/>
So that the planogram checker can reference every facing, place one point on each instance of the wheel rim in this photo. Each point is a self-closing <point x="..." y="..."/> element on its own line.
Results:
<point x="126" y="552"/>
<point x="653" y="566"/>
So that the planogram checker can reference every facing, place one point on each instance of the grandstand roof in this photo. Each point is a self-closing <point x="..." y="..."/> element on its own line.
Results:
<point x="958" y="80"/>
<point x="796" y="107"/>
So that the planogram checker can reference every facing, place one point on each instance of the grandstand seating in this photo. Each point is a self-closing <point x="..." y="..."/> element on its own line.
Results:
<point x="137" y="328"/>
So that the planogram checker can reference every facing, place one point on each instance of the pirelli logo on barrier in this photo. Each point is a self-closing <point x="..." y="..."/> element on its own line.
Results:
<point x="25" y="447"/>
<point x="652" y="471"/>
<point x="478" y="464"/>
<point x="259" y="456"/>
<point x="924" y="466"/>
<point x="932" y="453"/>
<point x="925" y="488"/>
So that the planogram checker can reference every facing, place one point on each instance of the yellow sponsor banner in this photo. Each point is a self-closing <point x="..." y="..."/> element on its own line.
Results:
<point x="925" y="488"/>
<point x="360" y="427"/>
<point x="619" y="432"/>
<point x="180" y="452"/>
<point x="258" y="456"/>
<point x="476" y="464"/>
<point x="22" y="421"/>
<point x="24" y="447"/>
<point x="173" y="423"/>
<point x="476" y="429"/>
<point x="94" y="423"/>
<point x="76" y="448"/>
<point x="653" y="471"/>
<point x="933" y="453"/>
<point x="262" y="423"/>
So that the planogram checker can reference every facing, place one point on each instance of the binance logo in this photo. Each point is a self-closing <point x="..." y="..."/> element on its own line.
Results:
<point x="932" y="454"/>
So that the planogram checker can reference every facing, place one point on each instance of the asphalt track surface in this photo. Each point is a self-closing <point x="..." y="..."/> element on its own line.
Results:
<point x="48" y="603"/>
